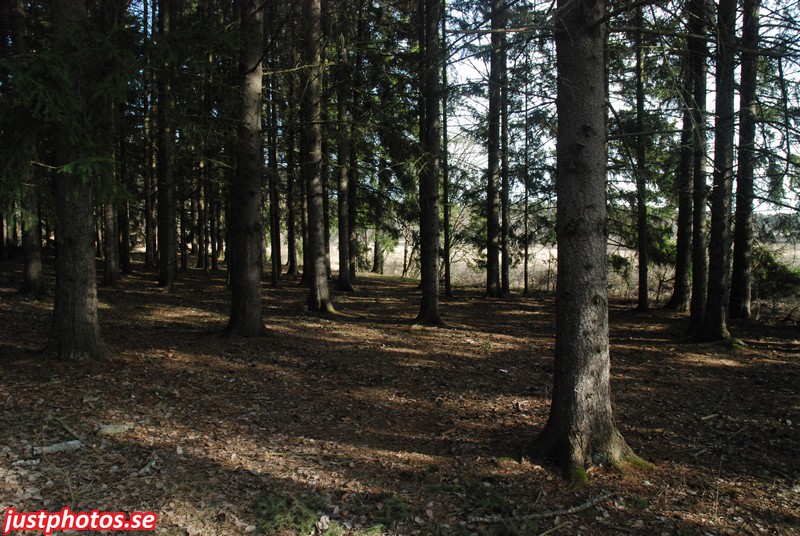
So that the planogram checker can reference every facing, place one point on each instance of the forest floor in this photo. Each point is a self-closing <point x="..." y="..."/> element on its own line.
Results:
<point x="365" y="424"/>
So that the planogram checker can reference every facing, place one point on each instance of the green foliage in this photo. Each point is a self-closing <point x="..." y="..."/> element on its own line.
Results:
<point x="619" y="264"/>
<point x="394" y="510"/>
<point x="771" y="278"/>
<point x="287" y="513"/>
<point x="661" y="247"/>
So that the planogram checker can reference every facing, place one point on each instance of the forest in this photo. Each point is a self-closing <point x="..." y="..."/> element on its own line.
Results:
<point x="367" y="267"/>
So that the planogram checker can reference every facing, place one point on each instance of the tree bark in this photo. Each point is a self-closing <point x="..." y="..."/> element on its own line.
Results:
<point x="150" y="177"/>
<point x="110" y="245"/>
<point x="291" y="175"/>
<point x="319" y="298"/>
<point x="245" y="220"/>
<point x="357" y="107"/>
<point x="32" y="283"/>
<point x="493" y="288"/>
<point x="343" y="133"/>
<point x="505" y="197"/>
<point x="698" y="58"/>
<point x="124" y="238"/>
<point x="165" y="147"/>
<point x="715" y="320"/>
<point x="679" y="301"/>
<point x="429" y="177"/>
<point x="75" y="328"/>
<point x="274" y="191"/>
<point x="580" y="429"/>
<point x="448" y="286"/>
<point x="384" y="177"/>
<point x="741" y="277"/>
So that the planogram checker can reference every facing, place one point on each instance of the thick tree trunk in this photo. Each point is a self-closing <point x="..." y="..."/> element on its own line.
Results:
<point x="75" y="329"/>
<point x="166" y="141"/>
<point x="429" y="177"/>
<point x="244" y="217"/>
<point x="698" y="59"/>
<point x="580" y="429"/>
<point x="741" y="277"/>
<point x="493" y="288"/>
<point x="715" y="320"/>
<point x="319" y="298"/>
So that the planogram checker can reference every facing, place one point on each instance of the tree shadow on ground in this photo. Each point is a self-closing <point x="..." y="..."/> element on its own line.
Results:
<point x="376" y="421"/>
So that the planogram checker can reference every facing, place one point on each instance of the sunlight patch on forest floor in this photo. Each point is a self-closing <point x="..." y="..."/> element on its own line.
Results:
<point x="377" y="425"/>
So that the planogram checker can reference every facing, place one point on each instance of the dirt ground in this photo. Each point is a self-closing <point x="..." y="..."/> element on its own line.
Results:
<point x="364" y="424"/>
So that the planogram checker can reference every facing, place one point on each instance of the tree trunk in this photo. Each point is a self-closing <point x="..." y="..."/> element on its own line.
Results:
<point x="3" y="248"/>
<point x="357" y="106"/>
<point x="291" y="209"/>
<point x="493" y="179"/>
<point x="505" y="197"/>
<point x="580" y="429"/>
<point x="124" y="238"/>
<point x="384" y="178"/>
<point x="643" y="302"/>
<point x="75" y="329"/>
<point x="274" y="196"/>
<point x="166" y="142"/>
<point x="31" y="234"/>
<point x="343" y="133"/>
<point x="33" y="283"/>
<point x="715" y="320"/>
<point x="326" y="201"/>
<point x="244" y="217"/>
<point x="448" y="287"/>
<point x="149" y="179"/>
<point x="698" y="59"/>
<point x="213" y="226"/>
<point x="679" y="301"/>
<point x="352" y="201"/>
<point x="202" y="223"/>
<point x="429" y="177"/>
<point x="184" y="228"/>
<point x="741" y="277"/>
<point x="110" y="245"/>
<point x="526" y="179"/>
<point x="304" y="216"/>
<point x="319" y="298"/>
